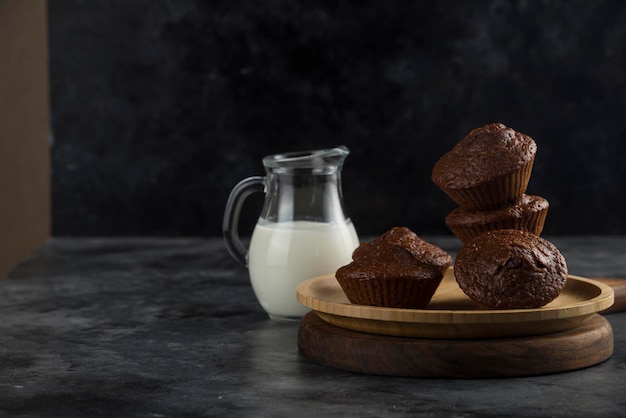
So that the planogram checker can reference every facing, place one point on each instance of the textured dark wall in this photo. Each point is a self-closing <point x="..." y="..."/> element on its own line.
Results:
<point x="160" y="107"/>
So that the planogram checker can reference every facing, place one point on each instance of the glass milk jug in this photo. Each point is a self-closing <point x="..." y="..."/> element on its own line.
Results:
<point x="302" y="231"/>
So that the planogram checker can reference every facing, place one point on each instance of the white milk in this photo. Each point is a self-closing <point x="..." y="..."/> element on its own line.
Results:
<point x="284" y="254"/>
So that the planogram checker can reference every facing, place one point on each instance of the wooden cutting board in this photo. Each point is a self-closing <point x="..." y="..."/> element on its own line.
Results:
<point x="329" y="345"/>
<point x="586" y="345"/>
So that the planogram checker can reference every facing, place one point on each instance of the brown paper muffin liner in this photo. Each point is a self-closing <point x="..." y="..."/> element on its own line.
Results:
<point x="532" y="222"/>
<point x="495" y="193"/>
<point x="409" y="293"/>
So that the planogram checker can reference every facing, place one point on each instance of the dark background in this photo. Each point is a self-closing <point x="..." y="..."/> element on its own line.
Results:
<point x="160" y="107"/>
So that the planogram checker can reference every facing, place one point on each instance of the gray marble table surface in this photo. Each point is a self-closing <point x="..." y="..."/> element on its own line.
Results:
<point x="157" y="327"/>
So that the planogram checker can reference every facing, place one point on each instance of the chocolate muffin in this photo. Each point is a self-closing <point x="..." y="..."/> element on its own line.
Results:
<point x="488" y="168"/>
<point x="510" y="269"/>
<point x="527" y="213"/>
<point x="401" y="236"/>
<point x="396" y="270"/>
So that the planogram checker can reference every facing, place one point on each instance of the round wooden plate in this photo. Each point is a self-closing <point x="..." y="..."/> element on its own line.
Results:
<point x="451" y="314"/>
<point x="586" y="345"/>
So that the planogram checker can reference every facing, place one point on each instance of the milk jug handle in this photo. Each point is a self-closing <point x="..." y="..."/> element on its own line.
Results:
<point x="230" y="229"/>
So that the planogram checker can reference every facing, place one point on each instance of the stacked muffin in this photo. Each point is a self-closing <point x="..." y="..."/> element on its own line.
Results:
<point x="503" y="263"/>
<point x="510" y="269"/>
<point x="487" y="174"/>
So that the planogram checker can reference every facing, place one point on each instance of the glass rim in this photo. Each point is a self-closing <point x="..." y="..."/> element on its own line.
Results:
<point x="307" y="159"/>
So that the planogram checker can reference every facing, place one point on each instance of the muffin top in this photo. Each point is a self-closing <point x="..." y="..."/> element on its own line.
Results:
<point x="510" y="269"/>
<point x="523" y="206"/>
<point x="388" y="262"/>
<point x="402" y="238"/>
<point x="482" y="155"/>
